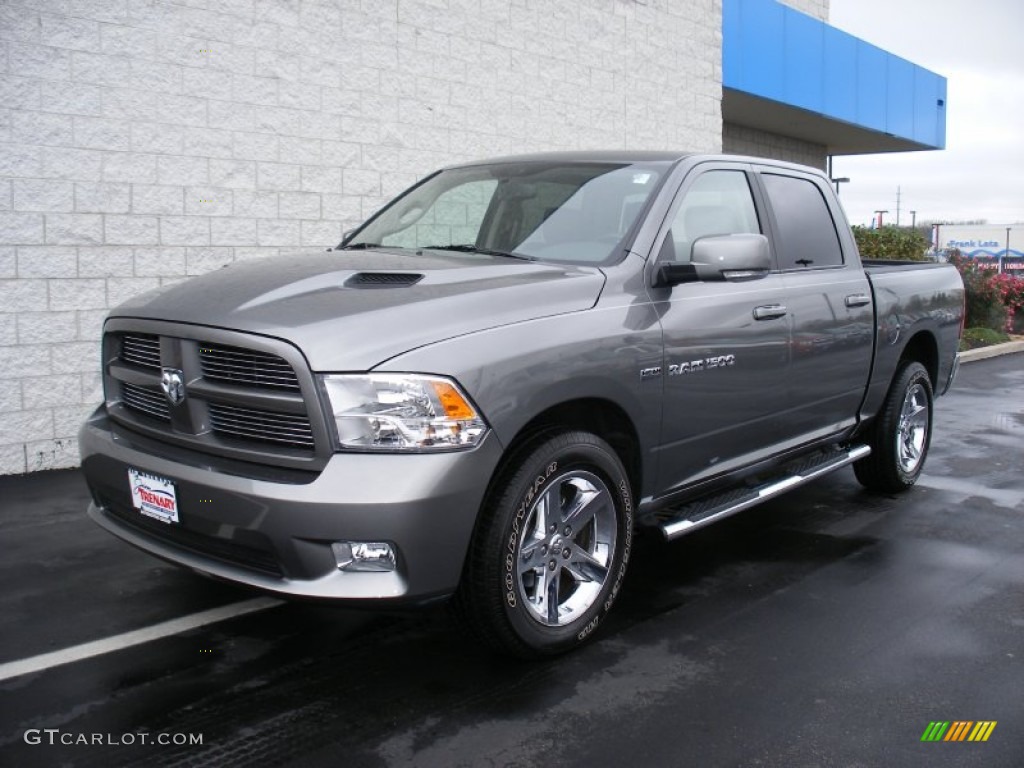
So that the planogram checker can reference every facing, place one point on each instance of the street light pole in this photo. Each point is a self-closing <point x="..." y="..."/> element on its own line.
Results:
<point x="880" y="219"/>
<point x="1007" y="254"/>
<point x="913" y="219"/>
<point x="840" y="180"/>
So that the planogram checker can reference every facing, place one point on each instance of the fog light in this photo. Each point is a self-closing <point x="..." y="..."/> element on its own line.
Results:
<point x="373" y="556"/>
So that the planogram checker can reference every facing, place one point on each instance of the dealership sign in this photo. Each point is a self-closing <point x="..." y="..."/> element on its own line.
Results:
<point x="984" y="242"/>
<point x="1012" y="264"/>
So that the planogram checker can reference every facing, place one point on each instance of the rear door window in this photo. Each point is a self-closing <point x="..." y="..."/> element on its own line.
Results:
<point x="805" y="231"/>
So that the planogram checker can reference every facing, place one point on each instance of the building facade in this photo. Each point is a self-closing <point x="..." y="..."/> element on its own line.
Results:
<point x="143" y="142"/>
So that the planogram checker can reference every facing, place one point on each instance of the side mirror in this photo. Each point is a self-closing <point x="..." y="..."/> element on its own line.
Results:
<point x="719" y="258"/>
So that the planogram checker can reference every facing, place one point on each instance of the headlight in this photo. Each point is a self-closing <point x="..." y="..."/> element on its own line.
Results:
<point x="402" y="412"/>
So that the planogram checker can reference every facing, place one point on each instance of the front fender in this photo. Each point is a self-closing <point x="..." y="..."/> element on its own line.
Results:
<point x="515" y="372"/>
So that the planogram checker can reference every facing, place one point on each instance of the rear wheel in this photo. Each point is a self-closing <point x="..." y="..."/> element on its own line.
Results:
<point x="550" y="552"/>
<point x="901" y="434"/>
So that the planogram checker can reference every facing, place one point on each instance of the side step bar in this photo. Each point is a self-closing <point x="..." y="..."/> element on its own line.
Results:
<point x="695" y="515"/>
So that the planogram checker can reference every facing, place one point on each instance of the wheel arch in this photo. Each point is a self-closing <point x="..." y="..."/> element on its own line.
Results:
<point x="924" y="349"/>
<point x="597" y="415"/>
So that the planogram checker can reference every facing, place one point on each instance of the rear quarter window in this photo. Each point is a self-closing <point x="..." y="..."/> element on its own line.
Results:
<point x="806" y="236"/>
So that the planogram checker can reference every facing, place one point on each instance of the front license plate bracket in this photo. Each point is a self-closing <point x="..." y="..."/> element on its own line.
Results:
<point x="153" y="496"/>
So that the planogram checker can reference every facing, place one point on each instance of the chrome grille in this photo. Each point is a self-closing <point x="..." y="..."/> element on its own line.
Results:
<point x="145" y="401"/>
<point x="142" y="350"/>
<point x="246" y="367"/>
<point x="253" y="403"/>
<point x="263" y="426"/>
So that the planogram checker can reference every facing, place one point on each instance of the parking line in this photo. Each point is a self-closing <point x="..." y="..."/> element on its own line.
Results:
<point x="135" y="637"/>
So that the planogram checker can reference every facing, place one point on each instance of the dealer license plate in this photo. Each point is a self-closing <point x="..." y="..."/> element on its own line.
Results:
<point x="153" y="496"/>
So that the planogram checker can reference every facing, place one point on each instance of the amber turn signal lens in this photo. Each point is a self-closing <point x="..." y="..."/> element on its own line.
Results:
<point x="455" y="406"/>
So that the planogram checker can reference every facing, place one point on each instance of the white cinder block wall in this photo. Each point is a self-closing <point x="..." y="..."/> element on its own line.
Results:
<point x="740" y="140"/>
<point x="145" y="141"/>
<point x="816" y="8"/>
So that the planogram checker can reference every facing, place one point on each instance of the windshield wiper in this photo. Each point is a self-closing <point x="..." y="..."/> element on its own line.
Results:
<point x="360" y="246"/>
<point x="467" y="248"/>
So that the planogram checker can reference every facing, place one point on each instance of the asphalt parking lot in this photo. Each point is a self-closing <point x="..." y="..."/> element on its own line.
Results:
<point x="827" y="628"/>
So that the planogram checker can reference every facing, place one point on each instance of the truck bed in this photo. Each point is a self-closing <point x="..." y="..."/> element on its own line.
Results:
<point x="912" y="298"/>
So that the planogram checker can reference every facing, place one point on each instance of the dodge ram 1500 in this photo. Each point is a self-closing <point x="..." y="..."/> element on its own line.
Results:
<point x="486" y="389"/>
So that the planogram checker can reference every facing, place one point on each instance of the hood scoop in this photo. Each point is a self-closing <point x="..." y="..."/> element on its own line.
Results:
<point x="383" y="280"/>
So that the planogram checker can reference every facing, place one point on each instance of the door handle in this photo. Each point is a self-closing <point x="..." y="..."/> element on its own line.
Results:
<point x="769" y="312"/>
<point x="857" y="300"/>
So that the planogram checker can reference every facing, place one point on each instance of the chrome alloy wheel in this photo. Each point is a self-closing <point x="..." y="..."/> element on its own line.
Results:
<point x="565" y="548"/>
<point x="913" y="428"/>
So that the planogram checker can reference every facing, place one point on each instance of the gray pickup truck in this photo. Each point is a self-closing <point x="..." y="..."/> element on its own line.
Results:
<point x="489" y="387"/>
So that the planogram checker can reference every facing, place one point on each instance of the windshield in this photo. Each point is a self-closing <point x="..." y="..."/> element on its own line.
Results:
<point x="560" y="212"/>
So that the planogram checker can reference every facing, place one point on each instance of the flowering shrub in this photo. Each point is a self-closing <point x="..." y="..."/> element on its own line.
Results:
<point x="984" y="308"/>
<point x="993" y="301"/>
<point x="1010" y="289"/>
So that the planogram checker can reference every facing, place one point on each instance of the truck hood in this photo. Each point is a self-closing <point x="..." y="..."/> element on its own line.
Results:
<point x="352" y="310"/>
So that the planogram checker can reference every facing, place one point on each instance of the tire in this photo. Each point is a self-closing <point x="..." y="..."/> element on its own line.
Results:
<point x="901" y="434"/>
<point x="551" y="547"/>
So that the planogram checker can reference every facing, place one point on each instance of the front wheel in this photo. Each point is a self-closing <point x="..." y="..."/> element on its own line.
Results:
<point x="901" y="434"/>
<point x="551" y="548"/>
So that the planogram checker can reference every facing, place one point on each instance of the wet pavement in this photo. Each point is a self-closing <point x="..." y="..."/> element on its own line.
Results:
<point x="827" y="628"/>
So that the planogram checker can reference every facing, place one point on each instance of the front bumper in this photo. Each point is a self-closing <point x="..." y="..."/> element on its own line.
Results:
<point x="276" y="535"/>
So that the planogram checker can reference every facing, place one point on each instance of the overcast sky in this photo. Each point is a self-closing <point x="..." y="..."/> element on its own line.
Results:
<point x="978" y="46"/>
